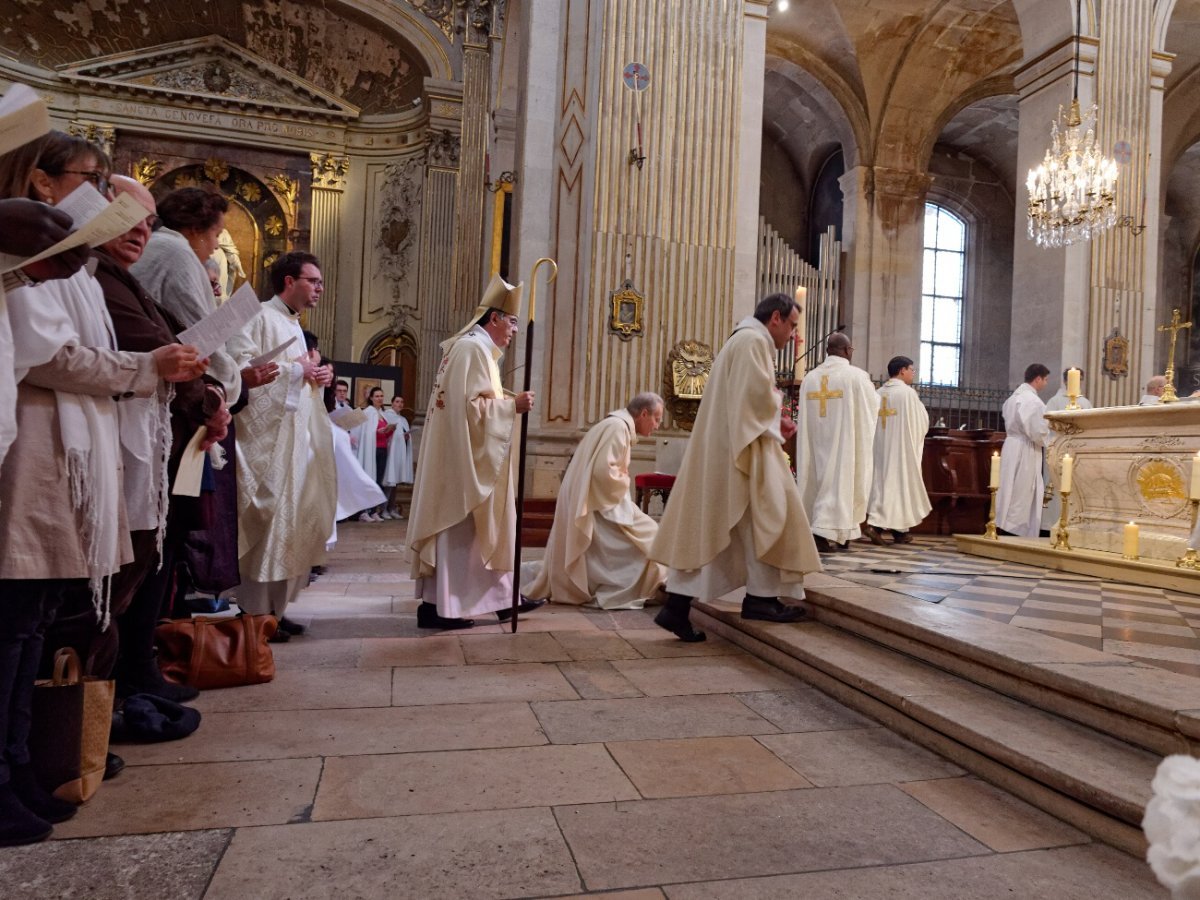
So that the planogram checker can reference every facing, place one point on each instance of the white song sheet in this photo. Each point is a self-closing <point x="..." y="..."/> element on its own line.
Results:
<point x="211" y="332"/>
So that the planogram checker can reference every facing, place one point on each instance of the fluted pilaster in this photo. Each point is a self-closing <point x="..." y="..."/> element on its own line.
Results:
<point x="329" y="186"/>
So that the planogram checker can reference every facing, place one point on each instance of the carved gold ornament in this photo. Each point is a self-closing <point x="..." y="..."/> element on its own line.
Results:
<point x="288" y="190"/>
<point x="274" y="226"/>
<point x="145" y="170"/>
<point x="625" y="317"/>
<point x="183" y="180"/>
<point x="689" y="363"/>
<point x="1160" y="480"/>
<point x="1116" y="355"/>
<point x="250" y="192"/>
<point x="216" y="170"/>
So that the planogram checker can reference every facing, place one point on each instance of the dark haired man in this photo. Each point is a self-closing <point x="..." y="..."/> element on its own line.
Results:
<point x="735" y="516"/>
<point x="898" y="496"/>
<point x="287" y="482"/>
<point x="1019" y="500"/>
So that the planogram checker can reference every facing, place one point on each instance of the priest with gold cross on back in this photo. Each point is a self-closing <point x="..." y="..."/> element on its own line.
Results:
<point x="836" y="420"/>
<point x="899" y="500"/>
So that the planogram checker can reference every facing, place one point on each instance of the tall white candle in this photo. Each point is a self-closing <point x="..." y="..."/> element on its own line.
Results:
<point x="1194" y="490"/>
<point x="1068" y="469"/>
<point x="1130" y="545"/>
<point x="1072" y="382"/>
<point x="994" y="480"/>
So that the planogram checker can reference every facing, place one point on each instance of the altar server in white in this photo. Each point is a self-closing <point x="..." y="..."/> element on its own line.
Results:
<point x="1019" y="500"/>
<point x="1053" y="509"/>
<point x="599" y="544"/>
<point x="899" y="500"/>
<point x="834" y="455"/>
<point x="399" y="468"/>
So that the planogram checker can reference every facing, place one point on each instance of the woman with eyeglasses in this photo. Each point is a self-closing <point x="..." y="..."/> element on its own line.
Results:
<point x="63" y="529"/>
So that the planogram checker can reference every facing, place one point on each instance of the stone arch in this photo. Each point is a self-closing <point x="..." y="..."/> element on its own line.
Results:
<point x="1045" y="23"/>
<point x="400" y="350"/>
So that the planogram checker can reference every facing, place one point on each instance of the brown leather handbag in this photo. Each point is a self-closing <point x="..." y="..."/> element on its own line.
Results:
<point x="216" y="652"/>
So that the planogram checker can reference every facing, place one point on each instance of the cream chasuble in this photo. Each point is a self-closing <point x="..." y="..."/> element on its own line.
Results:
<point x="600" y="542"/>
<point x="1019" y="499"/>
<point x="467" y="469"/>
<point x="286" y="476"/>
<point x="898" y="496"/>
<point x="834" y="454"/>
<point x="735" y="516"/>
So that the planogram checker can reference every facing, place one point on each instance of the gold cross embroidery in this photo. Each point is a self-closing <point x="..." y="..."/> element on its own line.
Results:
<point x="885" y="411"/>
<point x="824" y="394"/>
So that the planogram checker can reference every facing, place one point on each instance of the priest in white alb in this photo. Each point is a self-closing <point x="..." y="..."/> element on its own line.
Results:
<point x="462" y="524"/>
<point x="734" y="517"/>
<point x="835" y="445"/>
<point x="286" y="475"/>
<point x="899" y="500"/>
<point x="1053" y="506"/>
<point x="599" y="544"/>
<point x="1019" y="499"/>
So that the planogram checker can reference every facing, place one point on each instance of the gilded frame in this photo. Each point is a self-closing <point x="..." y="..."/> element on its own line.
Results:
<point x="626" y="313"/>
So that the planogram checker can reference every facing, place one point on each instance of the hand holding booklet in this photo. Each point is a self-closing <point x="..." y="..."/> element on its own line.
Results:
<point x="210" y="333"/>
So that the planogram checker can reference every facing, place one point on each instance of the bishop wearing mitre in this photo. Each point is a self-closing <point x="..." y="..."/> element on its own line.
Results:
<point x="835" y="448"/>
<point x="600" y="541"/>
<point x="899" y="500"/>
<point x="463" y="520"/>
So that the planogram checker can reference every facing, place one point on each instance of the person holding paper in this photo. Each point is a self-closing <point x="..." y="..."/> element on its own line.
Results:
<point x="287" y="479"/>
<point x="63" y="524"/>
<point x="399" y="468"/>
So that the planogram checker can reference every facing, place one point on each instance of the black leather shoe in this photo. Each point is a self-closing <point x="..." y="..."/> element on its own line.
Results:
<point x="525" y="606"/>
<point x="18" y="825"/>
<point x="901" y="537"/>
<point x="280" y="636"/>
<point x="873" y="535"/>
<point x="427" y="617"/>
<point x="36" y="798"/>
<point x="113" y="766"/>
<point x="769" y="609"/>
<point x="292" y="628"/>
<point x="674" y="618"/>
<point x="824" y="545"/>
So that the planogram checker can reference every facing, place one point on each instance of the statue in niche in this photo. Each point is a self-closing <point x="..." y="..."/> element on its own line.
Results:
<point x="230" y="262"/>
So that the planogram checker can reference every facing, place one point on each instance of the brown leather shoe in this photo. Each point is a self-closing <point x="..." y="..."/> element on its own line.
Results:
<point x="873" y="535"/>
<point x="901" y="537"/>
<point x="824" y="545"/>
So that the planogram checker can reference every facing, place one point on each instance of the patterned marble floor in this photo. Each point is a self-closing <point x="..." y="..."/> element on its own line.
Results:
<point x="1152" y="625"/>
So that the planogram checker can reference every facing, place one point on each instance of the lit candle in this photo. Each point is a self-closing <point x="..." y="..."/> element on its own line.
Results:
<point x="994" y="481"/>
<point x="1194" y="493"/>
<point x="1072" y="382"/>
<point x="1131" y="541"/>
<point x="1068" y="468"/>
<point x="801" y="295"/>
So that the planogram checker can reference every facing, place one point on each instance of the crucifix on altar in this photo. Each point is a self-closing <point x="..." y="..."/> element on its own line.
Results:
<point x="1174" y="326"/>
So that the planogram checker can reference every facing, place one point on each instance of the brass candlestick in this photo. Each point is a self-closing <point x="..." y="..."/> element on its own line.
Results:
<point x="1189" y="560"/>
<point x="1174" y="326"/>
<point x="990" y="532"/>
<point x="1062" y="542"/>
<point x="1072" y="401"/>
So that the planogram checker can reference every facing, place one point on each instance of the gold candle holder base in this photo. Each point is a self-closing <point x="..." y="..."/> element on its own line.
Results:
<point x="1062" y="541"/>
<point x="1189" y="559"/>
<point x="1072" y="402"/>
<point x="990" y="531"/>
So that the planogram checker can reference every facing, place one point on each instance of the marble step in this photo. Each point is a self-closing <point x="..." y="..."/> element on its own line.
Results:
<point x="1098" y="783"/>
<point x="1151" y="707"/>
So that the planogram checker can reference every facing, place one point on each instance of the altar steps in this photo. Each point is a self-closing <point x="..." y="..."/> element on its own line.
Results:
<point x="1075" y="732"/>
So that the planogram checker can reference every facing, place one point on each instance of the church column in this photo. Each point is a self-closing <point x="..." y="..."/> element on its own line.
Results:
<point x="470" y="214"/>
<point x="328" y="188"/>
<point x="749" y="152"/>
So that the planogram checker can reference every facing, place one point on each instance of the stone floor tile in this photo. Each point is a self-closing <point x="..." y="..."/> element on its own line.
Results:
<point x="643" y="894"/>
<point x="556" y="621"/>
<point x="357" y="787"/>
<point x="138" y="867"/>
<point x="649" y="842"/>
<point x="862" y="756"/>
<point x="992" y="816"/>
<point x="147" y="799"/>
<point x="627" y="619"/>
<point x="346" y="732"/>
<point x="648" y="718"/>
<point x="659" y="644"/>
<point x="354" y="603"/>
<point x="480" y="855"/>
<point x="719" y="675"/>
<point x="598" y="680"/>
<point x="490" y="649"/>
<point x="304" y="689"/>
<point x="695" y="767"/>
<point x="401" y="587"/>
<point x="366" y="626"/>
<point x="427" y="686"/>
<point x="584" y="646"/>
<point x="303" y="653"/>
<point x="1092" y="872"/>
<point x="804" y="709"/>
<point x="438" y="650"/>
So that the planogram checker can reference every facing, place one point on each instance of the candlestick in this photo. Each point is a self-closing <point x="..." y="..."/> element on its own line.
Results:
<point x="1062" y="540"/>
<point x="1189" y="560"/>
<point x="990" y="531"/>
<point x="1130" y="544"/>
<point x="994" y="479"/>
<point x="1194" y="488"/>
<point x="1068" y="469"/>
<point x="1072" y="388"/>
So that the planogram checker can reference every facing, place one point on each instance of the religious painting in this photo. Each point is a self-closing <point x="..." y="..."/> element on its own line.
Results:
<point x="625" y="318"/>
<point x="363" y="388"/>
<point x="1116" y="355"/>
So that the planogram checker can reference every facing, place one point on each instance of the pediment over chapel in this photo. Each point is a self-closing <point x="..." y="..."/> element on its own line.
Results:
<point x="208" y="71"/>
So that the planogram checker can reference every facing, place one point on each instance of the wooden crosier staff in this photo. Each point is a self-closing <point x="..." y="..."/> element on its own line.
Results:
<point x="516" y="591"/>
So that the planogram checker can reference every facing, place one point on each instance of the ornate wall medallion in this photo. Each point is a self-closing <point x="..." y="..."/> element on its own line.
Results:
<point x="1159" y="486"/>
<point x="688" y="366"/>
<point x="625" y="316"/>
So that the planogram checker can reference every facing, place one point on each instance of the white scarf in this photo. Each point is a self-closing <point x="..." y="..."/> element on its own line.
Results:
<point x="44" y="319"/>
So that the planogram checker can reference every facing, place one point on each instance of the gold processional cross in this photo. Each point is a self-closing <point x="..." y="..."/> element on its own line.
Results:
<point x="1174" y="326"/>
<point x="884" y="412"/>
<point x="824" y="394"/>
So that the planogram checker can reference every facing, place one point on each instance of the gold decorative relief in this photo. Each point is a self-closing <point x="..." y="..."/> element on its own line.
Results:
<point x="249" y="191"/>
<point x="689" y="363"/>
<point x="329" y="171"/>
<point x="145" y="170"/>
<point x="274" y="226"/>
<point x="288" y="190"/>
<point x="1160" y="480"/>
<point x="216" y="170"/>
<point x="625" y="316"/>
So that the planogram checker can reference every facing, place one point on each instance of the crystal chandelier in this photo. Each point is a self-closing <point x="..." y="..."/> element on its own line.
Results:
<point x="1072" y="194"/>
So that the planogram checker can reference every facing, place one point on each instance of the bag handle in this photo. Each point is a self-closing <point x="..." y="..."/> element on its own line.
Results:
<point x="66" y="667"/>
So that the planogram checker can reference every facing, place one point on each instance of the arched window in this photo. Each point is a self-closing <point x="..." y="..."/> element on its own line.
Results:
<point x="942" y="287"/>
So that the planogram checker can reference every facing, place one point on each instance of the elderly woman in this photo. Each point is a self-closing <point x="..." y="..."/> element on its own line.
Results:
<point x="62" y="516"/>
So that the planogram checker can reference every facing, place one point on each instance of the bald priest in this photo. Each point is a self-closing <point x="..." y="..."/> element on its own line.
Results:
<point x="599" y="543"/>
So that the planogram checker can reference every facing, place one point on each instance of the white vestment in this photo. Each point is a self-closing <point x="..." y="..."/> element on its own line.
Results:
<point x="1150" y="400"/>
<point x="899" y="500"/>
<point x="355" y="491"/>
<point x="364" y="435"/>
<point x="286" y="475"/>
<point x="399" y="461"/>
<point x="836" y="419"/>
<point x="1019" y="499"/>
<point x="1052" y="510"/>
<point x="600" y="541"/>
